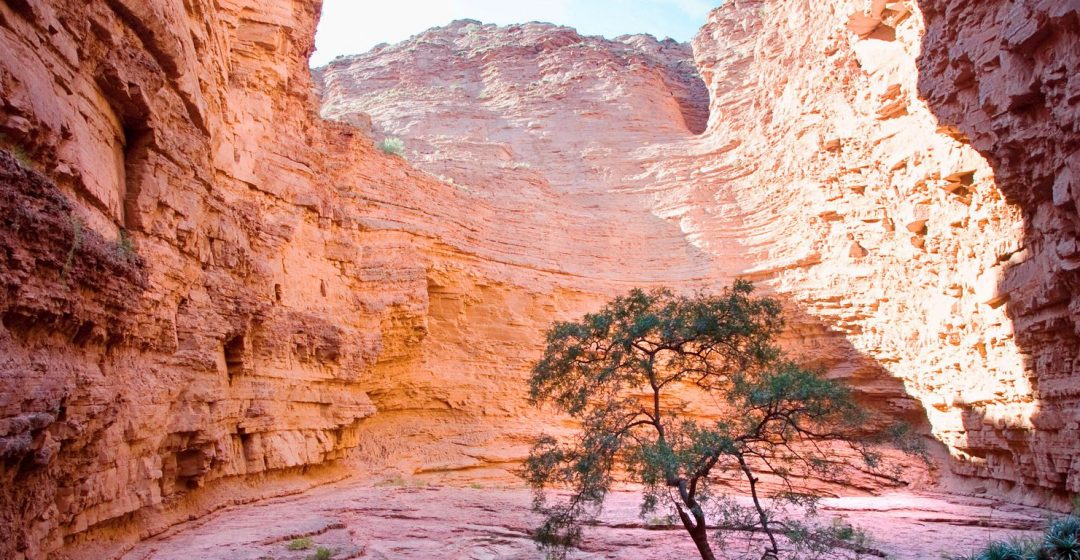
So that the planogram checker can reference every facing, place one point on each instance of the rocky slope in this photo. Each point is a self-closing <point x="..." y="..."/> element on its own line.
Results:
<point x="209" y="294"/>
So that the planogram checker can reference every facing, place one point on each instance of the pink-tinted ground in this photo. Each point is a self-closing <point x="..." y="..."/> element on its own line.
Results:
<point x="391" y="522"/>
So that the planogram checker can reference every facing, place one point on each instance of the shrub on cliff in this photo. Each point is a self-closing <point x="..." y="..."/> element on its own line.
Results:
<point x="625" y="373"/>
<point x="393" y="146"/>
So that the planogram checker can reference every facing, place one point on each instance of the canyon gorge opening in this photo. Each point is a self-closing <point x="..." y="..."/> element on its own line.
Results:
<point x="217" y="289"/>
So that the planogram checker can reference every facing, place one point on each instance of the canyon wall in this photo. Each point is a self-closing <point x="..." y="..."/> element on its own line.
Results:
<point x="190" y="307"/>
<point x="1003" y="76"/>
<point x="836" y="169"/>
<point x="893" y="227"/>
<point x="211" y="295"/>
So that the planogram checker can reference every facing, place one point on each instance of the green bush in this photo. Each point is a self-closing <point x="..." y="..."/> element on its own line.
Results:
<point x="1060" y="542"/>
<point x="300" y="544"/>
<point x="77" y="228"/>
<point x="322" y="553"/>
<point x="595" y="369"/>
<point x="393" y="146"/>
<point x="124" y="246"/>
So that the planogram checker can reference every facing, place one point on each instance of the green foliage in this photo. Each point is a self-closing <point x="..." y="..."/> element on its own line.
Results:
<point x="1010" y="550"/>
<point x="322" y="553"/>
<point x="812" y="540"/>
<point x="77" y="228"/>
<point x="17" y="151"/>
<point x="660" y="521"/>
<point x="393" y="146"/>
<point x="20" y="155"/>
<point x="1060" y="542"/>
<point x="301" y="544"/>
<point x="614" y="371"/>
<point x="124" y="246"/>
<point x="396" y="480"/>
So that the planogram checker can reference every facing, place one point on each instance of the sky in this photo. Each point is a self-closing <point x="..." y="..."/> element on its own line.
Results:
<point x="355" y="26"/>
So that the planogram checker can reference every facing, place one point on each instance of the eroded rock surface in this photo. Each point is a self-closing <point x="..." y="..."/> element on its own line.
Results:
<point x="487" y="523"/>
<point x="823" y="172"/>
<point x="185" y="308"/>
<point x="210" y="294"/>
<point x="1003" y="74"/>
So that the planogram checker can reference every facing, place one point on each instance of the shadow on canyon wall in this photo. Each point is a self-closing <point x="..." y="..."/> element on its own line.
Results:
<point x="1002" y="77"/>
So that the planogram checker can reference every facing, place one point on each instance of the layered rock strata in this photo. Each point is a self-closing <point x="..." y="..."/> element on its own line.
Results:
<point x="824" y="172"/>
<point x="1003" y="77"/>
<point x="210" y="294"/>
<point x="187" y="310"/>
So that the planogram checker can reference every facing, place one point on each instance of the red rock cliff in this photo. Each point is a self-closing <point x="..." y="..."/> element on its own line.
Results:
<point x="190" y="304"/>
<point x="1003" y="76"/>
<point x="209" y="294"/>
<point x="835" y="168"/>
<point x="895" y="230"/>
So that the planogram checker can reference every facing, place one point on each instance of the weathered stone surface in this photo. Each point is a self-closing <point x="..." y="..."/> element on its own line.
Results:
<point x="179" y="318"/>
<point x="210" y="295"/>
<point x="465" y="523"/>
<point x="817" y="146"/>
<point x="863" y="154"/>
<point x="1004" y="75"/>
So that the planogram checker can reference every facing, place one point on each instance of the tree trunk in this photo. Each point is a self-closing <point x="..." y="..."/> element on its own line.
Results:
<point x="699" y="532"/>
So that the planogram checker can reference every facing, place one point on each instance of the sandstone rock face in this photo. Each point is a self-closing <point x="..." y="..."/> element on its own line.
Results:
<point x="823" y="173"/>
<point x="188" y="307"/>
<point x="1003" y="74"/>
<point x="548" y="129"/>
<point x="209" y="294"/>
<point x="891" y="228"/>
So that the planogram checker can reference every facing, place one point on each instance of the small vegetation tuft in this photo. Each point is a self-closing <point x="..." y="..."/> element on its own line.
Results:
<point x="125" y="247"/>
<point x="76" y="243"/>
<point x="301" y="544"/>
<point x="393" y="146"/>
<point x="20" y="155"/>
<point x="17" y="151"/>
<point x="1062" y="540"/>
<point x="321" y="553"/>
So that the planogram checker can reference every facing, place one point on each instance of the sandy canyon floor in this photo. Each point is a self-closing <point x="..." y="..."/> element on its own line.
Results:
<point x="406" y="521"/>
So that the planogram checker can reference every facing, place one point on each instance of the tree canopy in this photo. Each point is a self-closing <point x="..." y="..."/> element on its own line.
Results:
<point x="627" y="373"/>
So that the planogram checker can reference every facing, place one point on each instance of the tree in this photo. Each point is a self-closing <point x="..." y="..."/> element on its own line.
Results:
<point x="627" y="374"/>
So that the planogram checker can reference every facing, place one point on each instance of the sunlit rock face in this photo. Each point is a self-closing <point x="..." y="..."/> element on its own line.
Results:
<point x="880" y="219"/>
<point x="823" y="173"/>
<point x="1003" y="75"/>
<point x="548" y="127"/>
<point x="209" y="294"/>
<point x="190" y="304"/>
